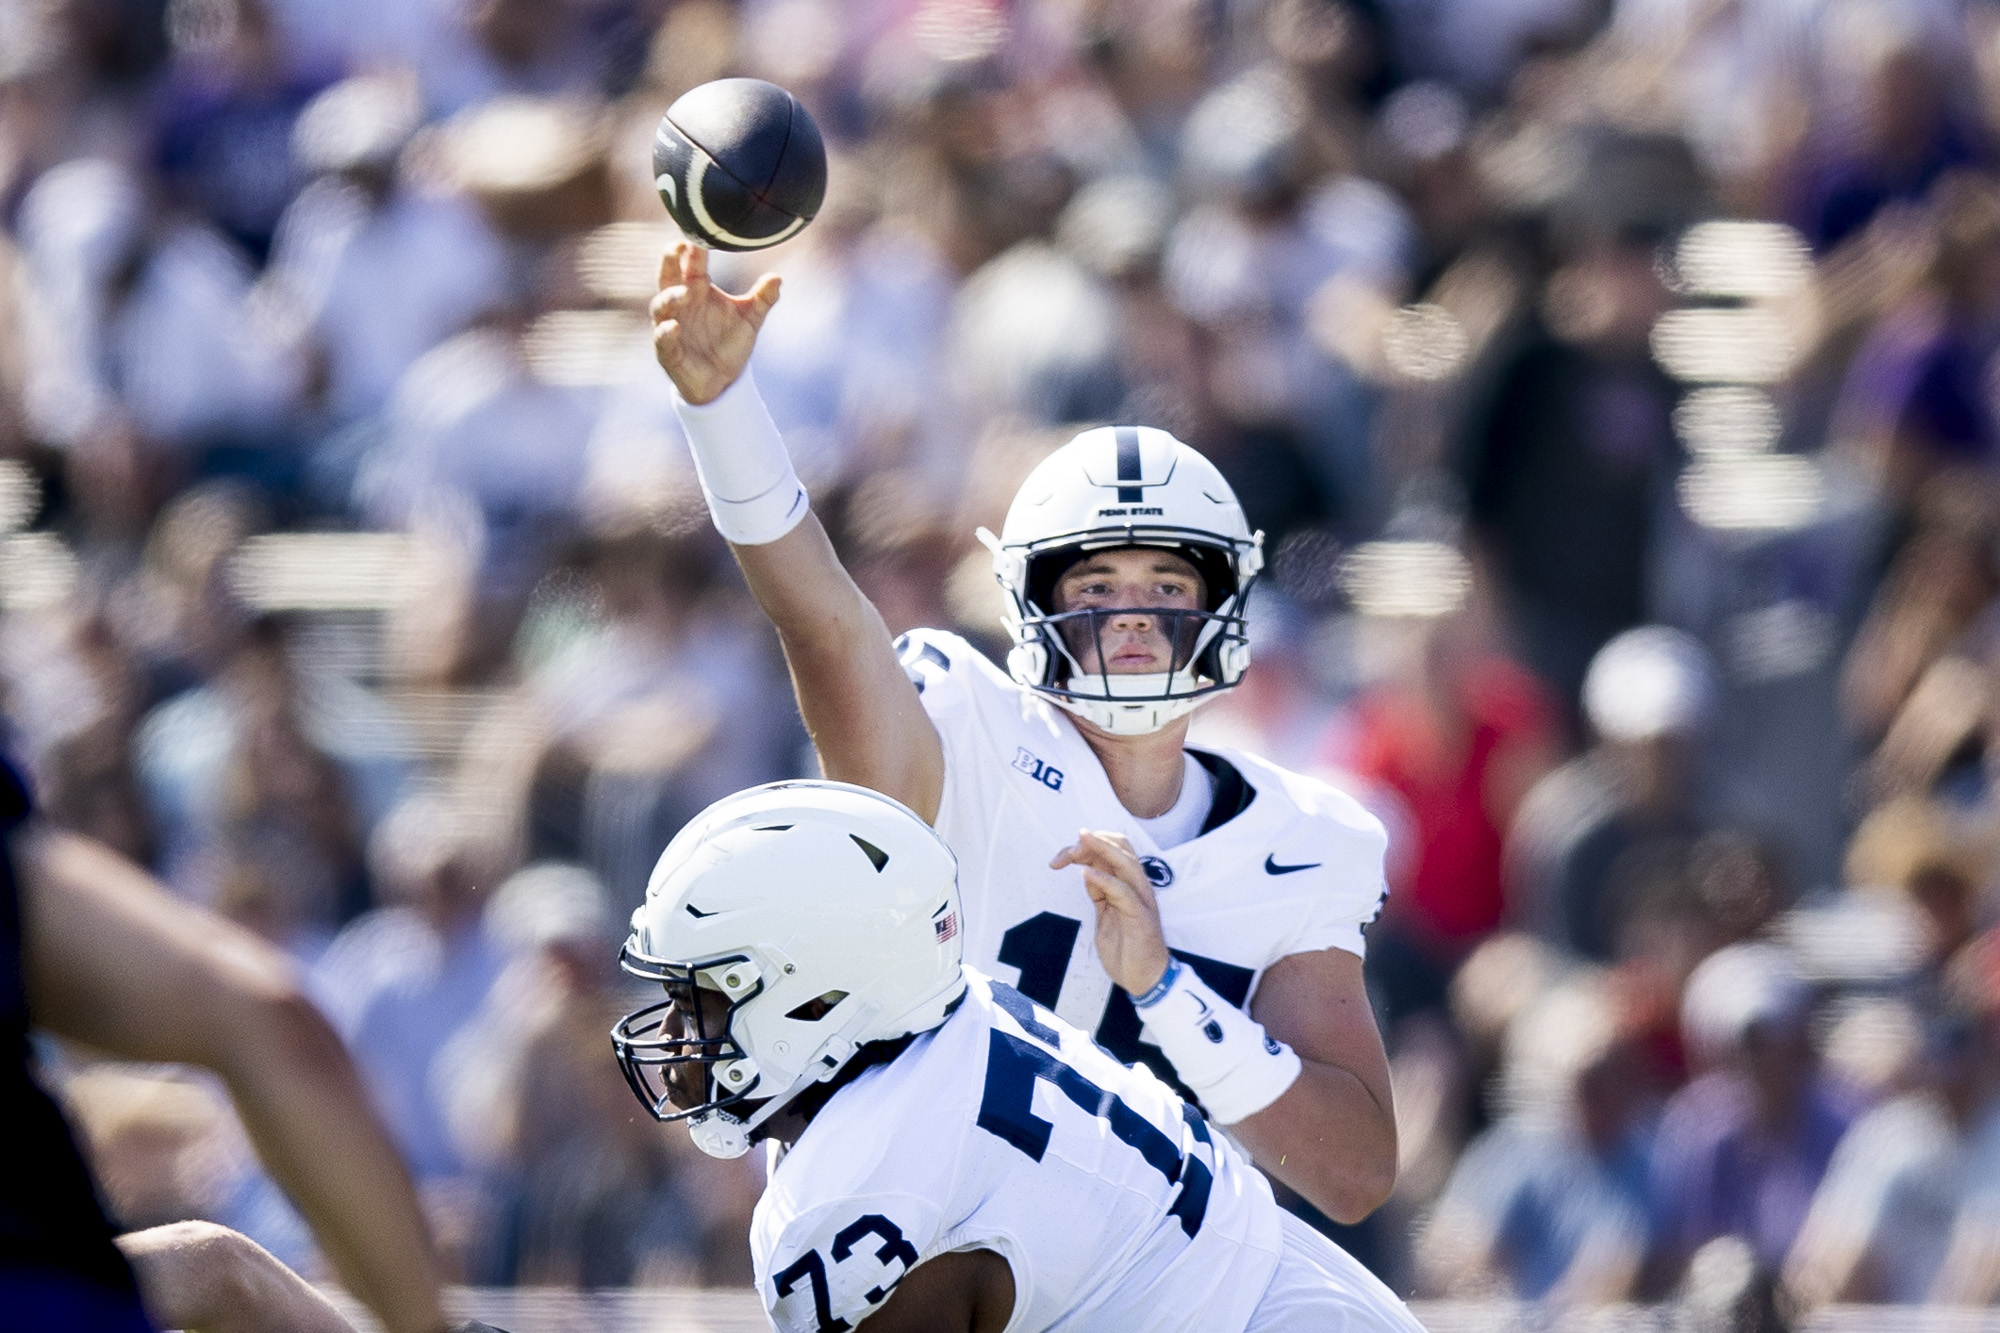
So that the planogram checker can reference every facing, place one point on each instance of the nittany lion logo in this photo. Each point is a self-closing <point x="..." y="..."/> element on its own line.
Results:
<point x="1157" y="871"/>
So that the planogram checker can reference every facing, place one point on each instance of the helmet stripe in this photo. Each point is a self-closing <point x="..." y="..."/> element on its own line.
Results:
<point x="1128" y="464"/>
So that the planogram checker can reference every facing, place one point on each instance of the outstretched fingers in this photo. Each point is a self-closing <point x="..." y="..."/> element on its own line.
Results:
<point x="694" y="263"/>
<point x="762" y="297"/>
<point x="1109" y="852"/>
<point x="702" y="334"/>
<point x="1089" y="848"/>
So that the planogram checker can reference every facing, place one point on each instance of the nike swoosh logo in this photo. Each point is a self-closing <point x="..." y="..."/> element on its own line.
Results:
<point x="1271" y="866"/>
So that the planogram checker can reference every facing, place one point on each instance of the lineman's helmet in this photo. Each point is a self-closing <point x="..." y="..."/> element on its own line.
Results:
<point x="812" y="918"/>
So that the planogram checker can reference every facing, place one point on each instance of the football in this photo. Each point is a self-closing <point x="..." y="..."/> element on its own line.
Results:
<point x="739" y="164"/>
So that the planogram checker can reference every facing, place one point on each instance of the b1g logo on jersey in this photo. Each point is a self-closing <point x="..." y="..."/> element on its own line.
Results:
<point x="1048" y="776"/>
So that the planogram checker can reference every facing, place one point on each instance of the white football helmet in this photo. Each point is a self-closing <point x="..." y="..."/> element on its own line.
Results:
<point x="1117" y="486"/>
<point x="819" y="917"/>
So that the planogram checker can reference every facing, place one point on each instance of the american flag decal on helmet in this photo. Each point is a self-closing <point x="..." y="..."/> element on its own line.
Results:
<point x="946" y="927"/>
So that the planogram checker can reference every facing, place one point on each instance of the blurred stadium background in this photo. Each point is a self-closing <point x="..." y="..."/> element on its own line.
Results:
<point x="352" y="574"/>
<point x="697" y="1310"/>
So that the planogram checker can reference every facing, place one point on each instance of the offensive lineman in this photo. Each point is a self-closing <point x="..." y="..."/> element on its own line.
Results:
<point x="1230" y="891"/>
<point x="962" y="1160"/>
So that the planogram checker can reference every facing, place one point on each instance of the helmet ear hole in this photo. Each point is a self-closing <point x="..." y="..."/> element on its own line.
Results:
<point x="818" y="1007"/>
<point x="1040" y="575"/>
<point x="1217" y="570"/>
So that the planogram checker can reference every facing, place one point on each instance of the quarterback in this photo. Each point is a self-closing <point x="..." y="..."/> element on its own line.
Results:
<point x="961" y="1159"/>
<point x="1207" y="919"/>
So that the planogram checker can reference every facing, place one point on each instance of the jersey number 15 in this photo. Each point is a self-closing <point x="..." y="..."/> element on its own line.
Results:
<point x="1040" y="949"/>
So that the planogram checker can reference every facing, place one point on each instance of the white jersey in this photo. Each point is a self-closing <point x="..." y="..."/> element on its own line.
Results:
<point x="1284" y="863"/>
<point x="1008" y="1130"/>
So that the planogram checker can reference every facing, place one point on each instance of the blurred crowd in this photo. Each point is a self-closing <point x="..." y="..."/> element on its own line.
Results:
<point x="1614" y="381"/>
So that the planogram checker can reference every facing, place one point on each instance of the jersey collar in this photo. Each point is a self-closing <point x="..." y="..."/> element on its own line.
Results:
<point x="1233" y="793"/>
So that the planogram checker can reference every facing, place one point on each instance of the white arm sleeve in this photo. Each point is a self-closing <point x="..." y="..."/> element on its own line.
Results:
<point x="1220" y="1052"/>
<point x="746" y="475"/>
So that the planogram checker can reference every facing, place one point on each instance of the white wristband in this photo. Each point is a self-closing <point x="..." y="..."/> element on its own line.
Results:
<point x="1220" y="1052"/>
<point x="746" y="475"/>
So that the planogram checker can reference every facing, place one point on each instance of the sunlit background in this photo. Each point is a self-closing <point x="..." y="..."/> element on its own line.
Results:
<point x="1614" y="382"/>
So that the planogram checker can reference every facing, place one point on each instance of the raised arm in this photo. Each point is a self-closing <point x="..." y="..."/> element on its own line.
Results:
<point x="116" y="962"/>
<point x="863" y="714"/>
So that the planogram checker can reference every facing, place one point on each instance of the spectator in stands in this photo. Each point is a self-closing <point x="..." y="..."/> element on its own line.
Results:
<point x="1925" y="618"/>
<point x="657" y="698"/>
<point x="377" y="268"/>
<point x="480" y="449"/>
<point x="1903" y="124"/>
<point x="1445" y="1067"/>
<point x="1274" y="226"/>
<point x="1914" y="403"/>
<point x="1742" y="1148"/>
<point x="586" y="1196"/>
<point x="227" y="104"/>
<point x="1620" y="804"/>
<point x="1565" y="465"/>
<point x="78" y="694"/>
<point x="1932" y="860"/>
<point x="241" y="772"/>
<point x="401" y="980"/>
<point x="1905" y="1212"/>
<point x="1460" y="734"/>
<point x="1550" y="1203"/>
<point x="147" y="353"/>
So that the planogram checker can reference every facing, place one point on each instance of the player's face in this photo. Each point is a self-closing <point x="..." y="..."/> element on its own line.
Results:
<point x="696" y="1012"/>
<point x="1124" y="586"/>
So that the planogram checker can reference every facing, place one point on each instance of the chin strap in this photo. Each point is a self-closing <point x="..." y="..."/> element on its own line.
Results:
<point x="1128" y="719"/>
<point x="720" y="1134"/>
<point x="725" y="1135"/>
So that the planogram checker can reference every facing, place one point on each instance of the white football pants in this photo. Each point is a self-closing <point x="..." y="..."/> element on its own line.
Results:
<point x="1320" y="1288"/>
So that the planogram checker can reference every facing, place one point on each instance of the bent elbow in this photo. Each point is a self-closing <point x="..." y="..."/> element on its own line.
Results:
<point x="1359" y="1192"/>
<point x="277" y="1026"/>
<point x="1377" y="1192"/>
<point x="296" y="1027"/>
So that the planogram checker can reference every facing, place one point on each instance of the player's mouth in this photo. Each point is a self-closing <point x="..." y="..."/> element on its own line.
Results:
<point x="1134" y="658"/>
